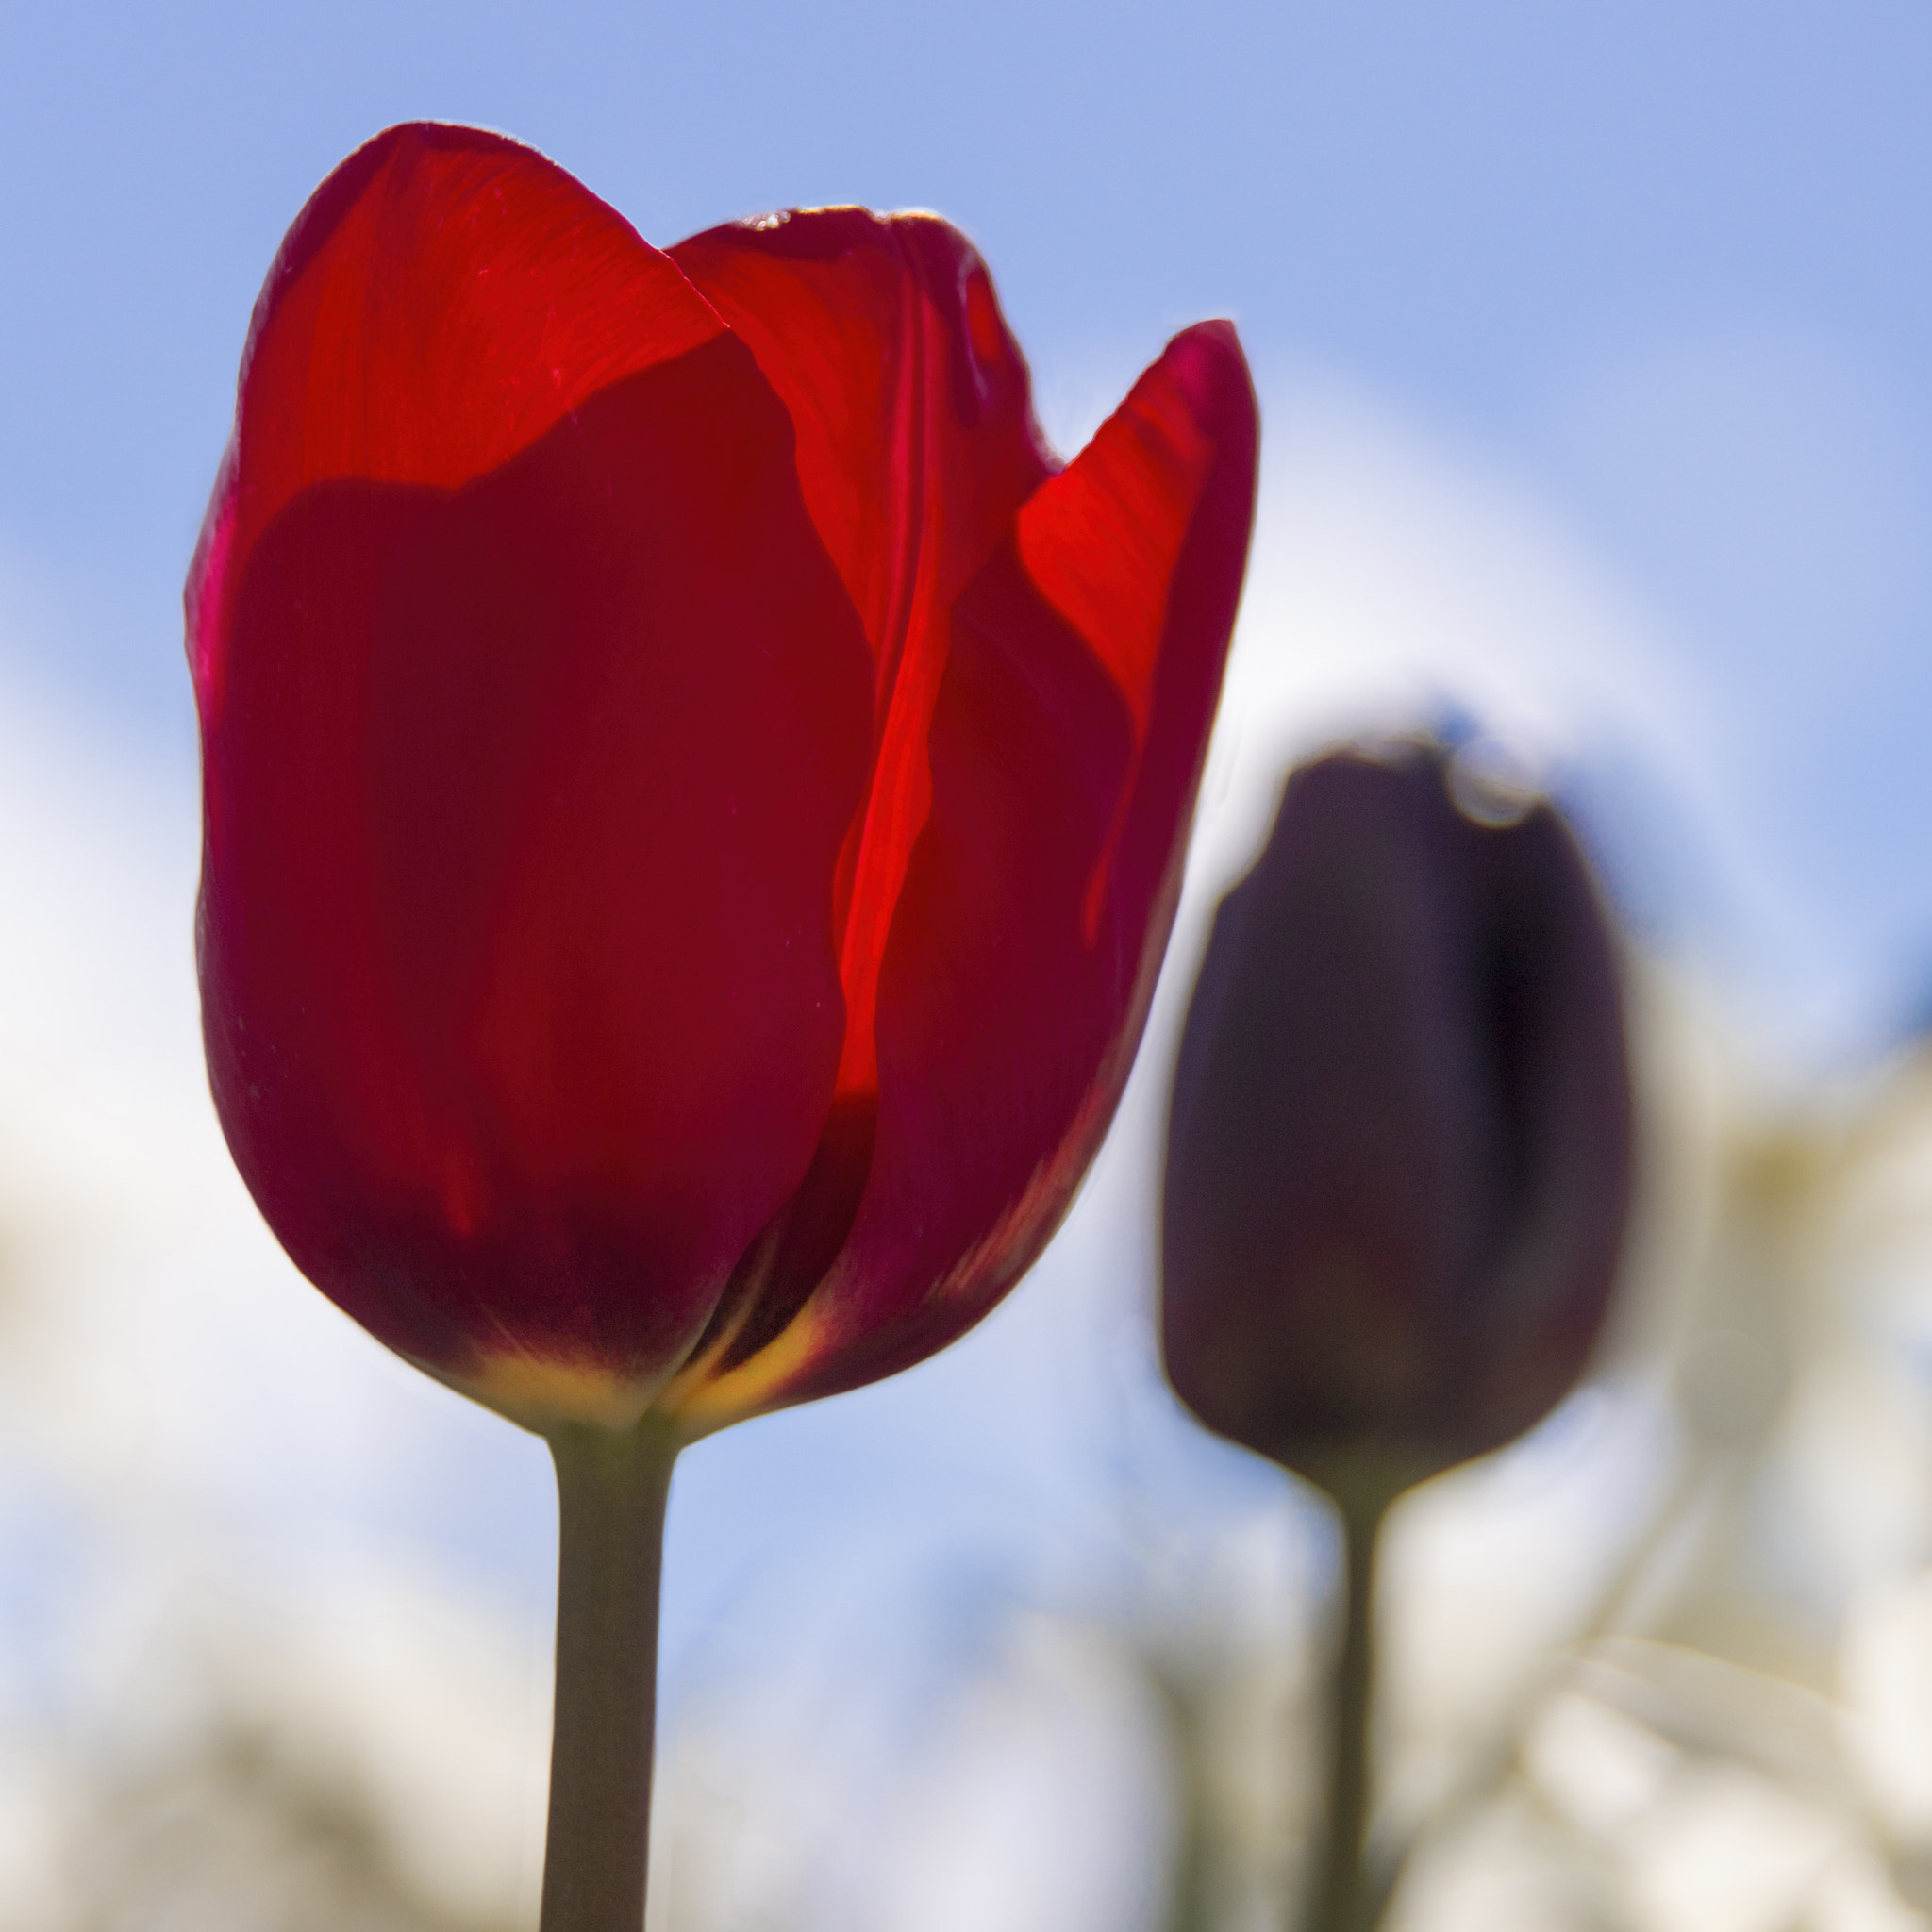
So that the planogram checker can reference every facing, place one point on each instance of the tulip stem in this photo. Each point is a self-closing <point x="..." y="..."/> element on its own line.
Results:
<point x="1343" y="1900"/>
<point x="611" y="1490"/>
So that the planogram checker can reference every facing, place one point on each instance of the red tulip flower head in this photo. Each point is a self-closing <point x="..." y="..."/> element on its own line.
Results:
<point x="694" y="792"/>
<point x="1399" y="1156"/>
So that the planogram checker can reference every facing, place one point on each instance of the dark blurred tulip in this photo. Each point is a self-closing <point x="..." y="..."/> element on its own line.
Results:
<point x="1399" y="1158"/>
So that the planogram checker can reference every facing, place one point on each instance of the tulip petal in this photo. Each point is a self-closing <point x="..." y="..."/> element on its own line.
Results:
<point x="526" y="792"/>
<point x="446" y="297"/>
<point x="1067" y="740"/>
<point x="1335" y="1120"/>
<point x="916" y="446"/>
<point x="1571" y="1116"/>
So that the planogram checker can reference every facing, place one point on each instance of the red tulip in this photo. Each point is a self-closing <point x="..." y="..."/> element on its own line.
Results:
<point x="694" y="792"/>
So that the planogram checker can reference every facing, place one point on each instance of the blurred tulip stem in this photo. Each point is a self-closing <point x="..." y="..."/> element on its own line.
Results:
<point x="1345" y="1901"/>
<point x="611" y="1491"/>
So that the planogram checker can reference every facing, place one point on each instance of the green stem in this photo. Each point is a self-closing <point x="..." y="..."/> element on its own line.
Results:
<point x="611" y="1490"/>
<point x="1343" y="1899"/>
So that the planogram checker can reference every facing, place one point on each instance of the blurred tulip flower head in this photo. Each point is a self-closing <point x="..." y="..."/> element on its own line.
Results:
<point x="1399" y="1158"/>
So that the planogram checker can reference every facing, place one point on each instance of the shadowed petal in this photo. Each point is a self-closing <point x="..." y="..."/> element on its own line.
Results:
<point x="525" y="800"/>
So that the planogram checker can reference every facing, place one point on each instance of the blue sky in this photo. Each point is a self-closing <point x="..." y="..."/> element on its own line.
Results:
<point x="1662" y="264"/>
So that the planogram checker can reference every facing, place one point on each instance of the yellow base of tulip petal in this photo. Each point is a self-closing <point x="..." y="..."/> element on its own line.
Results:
<point x="543" y="1393"/>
